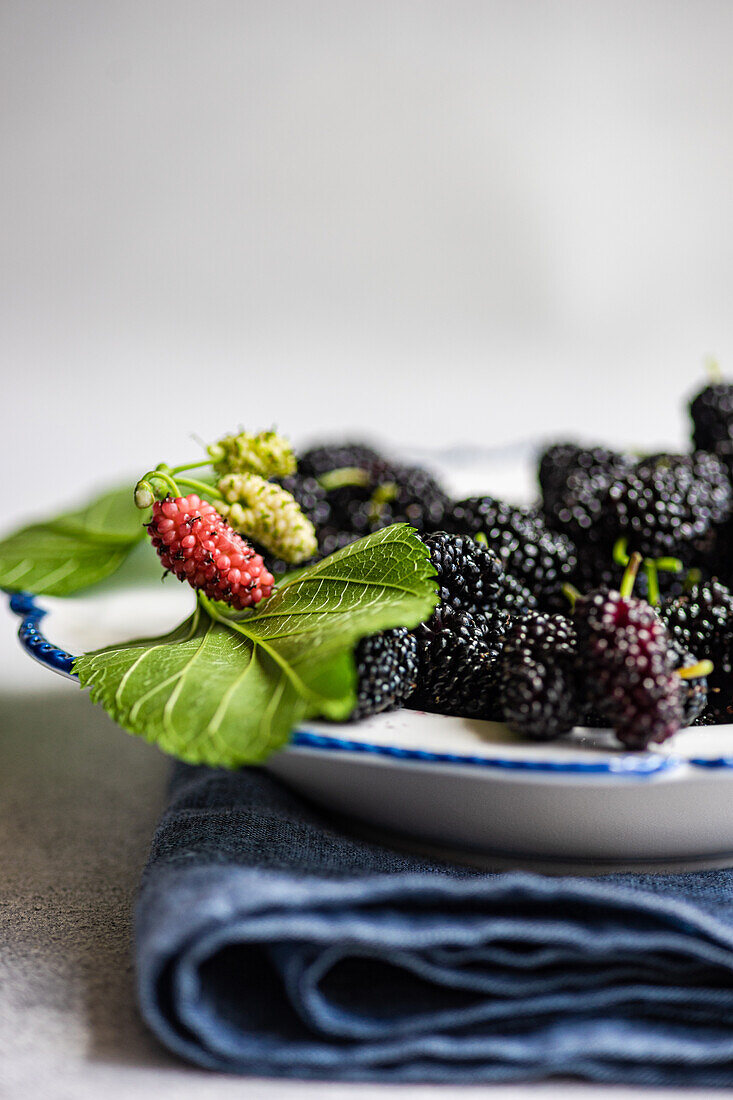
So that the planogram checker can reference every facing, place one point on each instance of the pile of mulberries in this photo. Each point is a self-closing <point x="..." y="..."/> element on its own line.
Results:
<point x="542" y="560"/>
<point x="348" y="490"/>
<point x="534" y="625"/>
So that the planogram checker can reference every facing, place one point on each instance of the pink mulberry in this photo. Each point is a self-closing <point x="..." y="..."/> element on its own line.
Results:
<point x="200" y="547"/>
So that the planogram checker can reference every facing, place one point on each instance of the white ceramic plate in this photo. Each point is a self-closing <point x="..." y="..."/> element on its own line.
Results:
<point x="458" y="786"/>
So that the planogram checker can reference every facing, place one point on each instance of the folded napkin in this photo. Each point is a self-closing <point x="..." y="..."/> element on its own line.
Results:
<point x="270" y="941"/>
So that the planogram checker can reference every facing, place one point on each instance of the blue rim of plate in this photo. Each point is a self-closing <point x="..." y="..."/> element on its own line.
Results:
<point x="625" y="765"/>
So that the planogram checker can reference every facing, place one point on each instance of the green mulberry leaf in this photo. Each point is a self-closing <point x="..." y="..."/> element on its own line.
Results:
<point x="74" y="550"/>
<point x="228" y="690"/>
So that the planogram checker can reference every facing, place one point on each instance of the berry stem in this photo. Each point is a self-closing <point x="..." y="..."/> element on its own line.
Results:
<point x="209" y="490"/>
<point x="344" y="477"/>
<point x="382" y="495"/>
<point x="572" y="594"/>
<point x="190" y="466"/>
<point x="712" y="366"/>
<point x="669" y="565"/>
<point x="152" y="476"/>
<point x="620" y="551"/>
<point x="693" y="672"/>
<point x="652" y="577"/>
<point x="629" y="578"/>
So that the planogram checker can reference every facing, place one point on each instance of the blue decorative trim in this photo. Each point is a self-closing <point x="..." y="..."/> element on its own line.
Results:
<point x="623" y="764"/>
<point x="33" y="641"/>
<point x="632" y="766"/>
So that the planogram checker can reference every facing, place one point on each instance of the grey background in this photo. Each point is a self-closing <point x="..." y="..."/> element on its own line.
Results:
<point x="428" y="221"/>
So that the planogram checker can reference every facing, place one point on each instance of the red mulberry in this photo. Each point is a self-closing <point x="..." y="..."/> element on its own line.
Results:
<point x="196" y="544"/>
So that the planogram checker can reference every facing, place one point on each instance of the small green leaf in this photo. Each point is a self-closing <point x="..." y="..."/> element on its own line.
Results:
<point x="227" y="690"/>
<point x="73" y="550"/>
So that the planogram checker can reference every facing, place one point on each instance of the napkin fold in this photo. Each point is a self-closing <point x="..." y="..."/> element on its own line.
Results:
<point x="270" y="941"/>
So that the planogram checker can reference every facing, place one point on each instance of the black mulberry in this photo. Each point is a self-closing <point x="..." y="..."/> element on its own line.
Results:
<point x="540" y="559"/>
<point x="712" y="416"/>
<point x="538" y="677"/>
<point x="458" y="662"/>
<point x="387" y="669"/>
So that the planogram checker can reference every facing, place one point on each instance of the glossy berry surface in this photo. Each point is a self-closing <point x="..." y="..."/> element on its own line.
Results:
<point x="471" y="578"/>
<point x="540" y="559"/>
<point x="538" y="677"/>
<point x="458" y="663"/>
<point x="195" y="543"/>
<point x="700" y="622"/>
<point x="387" y="670"/>
<point x="669" y="505"/>
<point x="573" y="481"/>
<point x="469" y="574"/>
<point x="627" y="665"/>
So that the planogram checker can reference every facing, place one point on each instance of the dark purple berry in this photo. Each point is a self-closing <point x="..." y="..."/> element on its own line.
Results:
<point x="540" y="559"/>
<point x="701" y="622"/>
<point x="387" y="670"/>
<point x="627" y="666"/>
<point x="712" y="416"/>
<point x="538" y="677"/>
<point x="335" y="456"/>
<point x="669" y="506"/>
<point x="458" y="661"/>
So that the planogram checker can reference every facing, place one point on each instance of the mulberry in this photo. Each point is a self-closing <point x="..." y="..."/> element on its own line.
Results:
<point x="627" y="664"/>
<point x="195" y="543"/>
<point x="711" y="411"/>
<point x="336" y="456"/>
<point x="266" y="453"/>
<point x="669" y="505"/>
<point x="458" y="664"/>
<point x="387" y="670"/>
<point x="538" y="677"/>
<point x="540" y="559"/>
<point x="266" y="512"/>
<point x="701" y="622"/>
<point x="472" y="579"/>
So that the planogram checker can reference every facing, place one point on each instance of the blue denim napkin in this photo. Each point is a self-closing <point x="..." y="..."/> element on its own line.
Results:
<point x="270" y="941"/>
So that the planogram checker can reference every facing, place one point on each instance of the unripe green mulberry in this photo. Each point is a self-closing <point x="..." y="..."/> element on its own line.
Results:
<point x="268" y="514"/>
<point x="266" y="453"/>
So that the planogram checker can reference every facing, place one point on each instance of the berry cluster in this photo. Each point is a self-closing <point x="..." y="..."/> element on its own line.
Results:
<point x="504" y="642"/>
